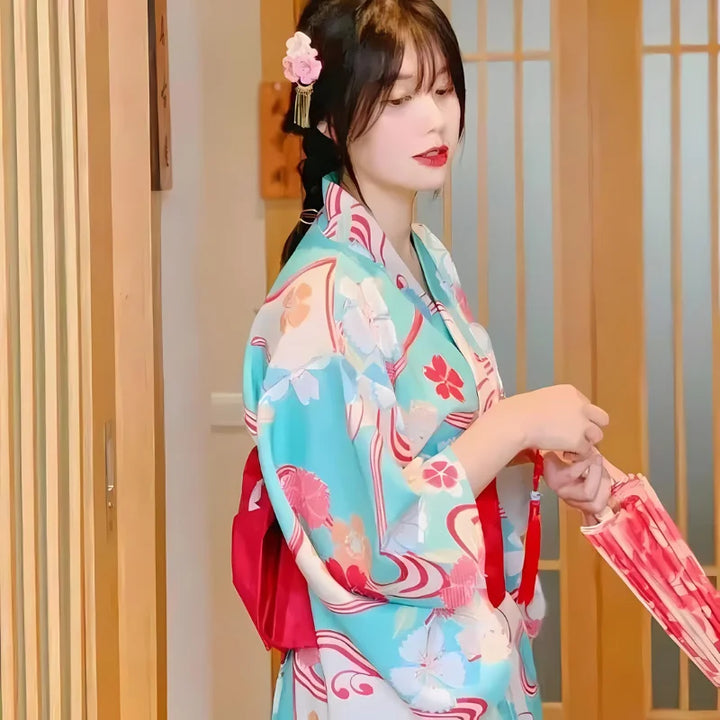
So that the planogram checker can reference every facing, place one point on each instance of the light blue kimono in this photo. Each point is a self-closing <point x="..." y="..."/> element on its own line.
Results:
<point x="356" y="384"/>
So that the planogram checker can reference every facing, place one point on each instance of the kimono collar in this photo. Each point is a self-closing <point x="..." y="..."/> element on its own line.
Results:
<point x="349" y="221"/>
<point x="345" y="219"/>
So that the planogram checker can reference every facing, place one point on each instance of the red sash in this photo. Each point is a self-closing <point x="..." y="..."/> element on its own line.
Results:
<point x="275" y="592"/>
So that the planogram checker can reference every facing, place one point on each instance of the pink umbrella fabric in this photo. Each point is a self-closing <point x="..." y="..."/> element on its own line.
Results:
<point x="637" y="537"/>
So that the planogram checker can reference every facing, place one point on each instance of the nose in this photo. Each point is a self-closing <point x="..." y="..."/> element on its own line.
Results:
<point x="433" y="116"/>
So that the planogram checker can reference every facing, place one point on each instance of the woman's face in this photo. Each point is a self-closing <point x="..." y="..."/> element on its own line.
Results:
<point x="411" y="144"/>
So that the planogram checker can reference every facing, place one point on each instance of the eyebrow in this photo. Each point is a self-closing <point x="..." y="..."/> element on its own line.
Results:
<point x="411" y="76"/>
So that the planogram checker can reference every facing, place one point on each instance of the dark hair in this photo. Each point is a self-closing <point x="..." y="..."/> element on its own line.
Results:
<point x="361" y="44"/>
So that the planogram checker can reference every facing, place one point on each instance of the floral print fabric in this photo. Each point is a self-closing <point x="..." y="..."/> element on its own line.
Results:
<point x="356" y="384"/>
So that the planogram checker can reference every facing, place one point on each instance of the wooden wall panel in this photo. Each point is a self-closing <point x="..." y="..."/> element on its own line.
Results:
<point x="28" y="238"/>
<point x="10" y="652"/>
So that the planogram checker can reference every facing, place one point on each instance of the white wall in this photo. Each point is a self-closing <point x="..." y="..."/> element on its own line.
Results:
<point x="213" y="275"/>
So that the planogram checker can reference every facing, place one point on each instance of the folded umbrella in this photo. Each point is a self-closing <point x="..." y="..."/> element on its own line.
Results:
<point x="637" y="537"/>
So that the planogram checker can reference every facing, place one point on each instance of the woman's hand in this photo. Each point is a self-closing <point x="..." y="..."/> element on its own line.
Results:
<point x="583" y="484"/>
<point x="554" y="418"/>
<point x="560" y="418"/>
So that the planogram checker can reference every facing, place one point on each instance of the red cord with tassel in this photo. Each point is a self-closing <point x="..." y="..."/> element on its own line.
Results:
<point x="533" y="538"/>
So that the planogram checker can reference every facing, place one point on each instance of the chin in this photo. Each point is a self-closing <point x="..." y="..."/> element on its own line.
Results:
<point x="431" y="180"/>
<point x="418" y="180"/>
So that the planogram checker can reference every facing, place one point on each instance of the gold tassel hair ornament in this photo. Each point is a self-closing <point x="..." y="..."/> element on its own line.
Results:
<point x="302" y="67"/>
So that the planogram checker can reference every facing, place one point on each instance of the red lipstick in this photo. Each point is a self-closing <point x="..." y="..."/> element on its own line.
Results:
<point x="434" y="157"/>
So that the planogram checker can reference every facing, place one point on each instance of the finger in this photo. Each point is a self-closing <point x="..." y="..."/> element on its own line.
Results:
<point x="593" y="434"/>
<point x="597" y="415"/>
<point x="580" y="395"/>
<point x="583" y="490"/>
<point x="580" y="468"/>
<point x="560" y="474"/>
<point x="602" y="499"/>
<point x="573" y="457"/>
<point x="573" y="492"/>
<point x="583" y="448"/>
<point x="593" y="483"/>
<point x="600" y="502"/>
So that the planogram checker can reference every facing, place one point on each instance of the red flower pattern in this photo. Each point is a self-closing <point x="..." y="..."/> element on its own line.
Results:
<point x="352" y="579"/>
<point x="447" y="380"/>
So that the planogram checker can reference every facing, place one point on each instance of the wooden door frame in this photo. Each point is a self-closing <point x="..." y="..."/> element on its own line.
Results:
<point x="574" y="341"/>
<point x="619" y="348"/>
<point x="601" y="348"/>
<point x="98" y="356"/>
<point x="139" y="436"/>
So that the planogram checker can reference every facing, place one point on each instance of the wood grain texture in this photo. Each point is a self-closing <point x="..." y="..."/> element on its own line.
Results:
<point x="574" y="336"/>
<point x="616" y="104"/>
<point x="9" y="501"/>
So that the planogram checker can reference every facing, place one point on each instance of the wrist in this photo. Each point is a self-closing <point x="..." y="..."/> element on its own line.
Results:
<point x="511" y="414"/>
<point x="515" y="409"/>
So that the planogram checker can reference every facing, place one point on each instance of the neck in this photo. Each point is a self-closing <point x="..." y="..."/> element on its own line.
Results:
<point x="392" y="208"/>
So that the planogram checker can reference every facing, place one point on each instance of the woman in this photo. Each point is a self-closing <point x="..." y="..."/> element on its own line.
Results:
<point x="376" y="401"/>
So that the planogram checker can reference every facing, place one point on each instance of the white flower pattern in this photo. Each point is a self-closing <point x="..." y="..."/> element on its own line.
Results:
<point x="483" y="635"/>
<point x="366" y="321"/>
<point x="433" y="673"/>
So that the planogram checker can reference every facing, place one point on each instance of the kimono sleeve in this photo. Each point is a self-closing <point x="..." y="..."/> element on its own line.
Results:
<point x="377" y="525"/>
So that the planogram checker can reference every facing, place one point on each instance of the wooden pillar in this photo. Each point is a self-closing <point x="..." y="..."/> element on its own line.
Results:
<point x="574" y="339"/>
<point x="616" y="107"/>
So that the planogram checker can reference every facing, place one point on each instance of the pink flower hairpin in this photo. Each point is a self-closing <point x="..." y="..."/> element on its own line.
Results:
<point x="302" y="67"/>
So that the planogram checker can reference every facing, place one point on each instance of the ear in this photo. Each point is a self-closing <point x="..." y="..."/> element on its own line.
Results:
<point x="323" y="127"/>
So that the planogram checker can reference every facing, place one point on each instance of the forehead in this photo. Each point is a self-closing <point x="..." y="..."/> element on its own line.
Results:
<point x="424" y="67"/>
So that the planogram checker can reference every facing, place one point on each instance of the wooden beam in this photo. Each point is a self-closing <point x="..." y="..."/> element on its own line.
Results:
<point x="160" y="120"/>
<point x="72" y="415"/>
<point x="135" y="365"/>
<point x="572" y="177"/>
<point x="9" y="636"/>
<point x="97" y="358"/>
<point x="26" y="148"/>
<point x="616" y="112"/>
<point x="53" y="367"/>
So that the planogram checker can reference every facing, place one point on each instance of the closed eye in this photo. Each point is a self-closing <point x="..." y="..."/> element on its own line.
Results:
<point x="445" y="91"/>
<point x="397" y="102"/>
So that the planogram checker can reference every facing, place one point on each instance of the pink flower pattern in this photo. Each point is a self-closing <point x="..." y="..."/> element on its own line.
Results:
<point x="463" y="304"/>
<point x="441" y="475"/>
<point x="308" y="496"/>
<point x="462" y="583"/>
